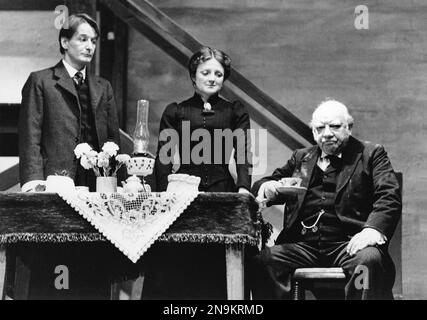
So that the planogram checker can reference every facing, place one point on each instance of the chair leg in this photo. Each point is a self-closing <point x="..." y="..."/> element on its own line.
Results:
<point x="298" y="291"/>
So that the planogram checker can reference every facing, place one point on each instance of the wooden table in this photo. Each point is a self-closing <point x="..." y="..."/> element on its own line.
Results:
<point x="222" y="218"/>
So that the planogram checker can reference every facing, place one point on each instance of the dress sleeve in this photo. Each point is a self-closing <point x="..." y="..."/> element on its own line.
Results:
<point x="242" y="145"/>
<point x="167" y="144"/>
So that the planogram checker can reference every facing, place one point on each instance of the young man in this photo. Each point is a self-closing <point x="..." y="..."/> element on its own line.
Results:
<point x="63" y="106"/>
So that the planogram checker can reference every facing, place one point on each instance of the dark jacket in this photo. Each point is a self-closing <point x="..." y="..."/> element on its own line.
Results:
<point x="49" y="121"/>
<point x="367" y="193"/>
<point x="213" y="169"/>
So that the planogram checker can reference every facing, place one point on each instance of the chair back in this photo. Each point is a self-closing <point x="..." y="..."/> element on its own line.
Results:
<point x="395" y="249"/>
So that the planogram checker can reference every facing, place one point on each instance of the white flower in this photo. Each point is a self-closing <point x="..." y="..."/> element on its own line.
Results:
<point x="111" y="148"/>
<point x="122" y="158"/>
<point x="103" y="155"/>
<point x="103" y="159"/>
<point x="92" y="157"/>
<point x="101" y="163"/>
<point x="81" y="149"/>
<point x="84" y="161"/>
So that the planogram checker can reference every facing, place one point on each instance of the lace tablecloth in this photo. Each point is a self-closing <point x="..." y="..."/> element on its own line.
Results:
<point x="132" y="222"/>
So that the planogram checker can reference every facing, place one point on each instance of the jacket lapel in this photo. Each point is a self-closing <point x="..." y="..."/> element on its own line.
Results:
<point x="95" y="91"/>
<point x="64" y="80"/>
<point x="351" y="157"/>
<point x="307" y="166"/>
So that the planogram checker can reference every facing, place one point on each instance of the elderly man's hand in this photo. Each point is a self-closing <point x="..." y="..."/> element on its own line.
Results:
<point x="365" y="238"/>
<point x="268" y="190"/>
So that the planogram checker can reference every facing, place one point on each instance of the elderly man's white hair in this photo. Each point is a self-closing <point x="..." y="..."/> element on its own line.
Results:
<point x="332" y="105"/>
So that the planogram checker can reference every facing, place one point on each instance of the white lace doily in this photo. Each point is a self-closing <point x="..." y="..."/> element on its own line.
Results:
<point x="132" y="222"/>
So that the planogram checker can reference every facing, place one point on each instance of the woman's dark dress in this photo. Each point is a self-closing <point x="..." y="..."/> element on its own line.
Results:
<point x="214" y="173"/>
<point x="197" y="271"/>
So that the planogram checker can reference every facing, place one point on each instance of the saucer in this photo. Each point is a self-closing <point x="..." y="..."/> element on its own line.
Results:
<point x="290" y="190"/>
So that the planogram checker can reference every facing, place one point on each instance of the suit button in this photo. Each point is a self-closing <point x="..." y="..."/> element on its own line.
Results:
<point x="77" y="139"/>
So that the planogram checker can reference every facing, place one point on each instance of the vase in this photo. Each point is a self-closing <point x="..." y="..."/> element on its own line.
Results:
<point x="106" y="184"/>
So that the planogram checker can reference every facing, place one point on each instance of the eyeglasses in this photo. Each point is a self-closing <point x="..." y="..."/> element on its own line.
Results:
<point x="332" y="127"/>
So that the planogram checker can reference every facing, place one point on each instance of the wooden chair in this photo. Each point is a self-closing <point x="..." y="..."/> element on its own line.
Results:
<point x="303" y="276"/>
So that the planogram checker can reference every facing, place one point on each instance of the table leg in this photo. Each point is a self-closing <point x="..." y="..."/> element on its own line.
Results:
<point x="22" y="280"/>
<point x="128" y="290"/>
<point x="234" y="257"/>
<point x="3" y="262"/>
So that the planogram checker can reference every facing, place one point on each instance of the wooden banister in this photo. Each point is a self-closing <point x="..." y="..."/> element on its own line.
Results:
<point x="9" y="177"/>
<point x="177" y="43"/>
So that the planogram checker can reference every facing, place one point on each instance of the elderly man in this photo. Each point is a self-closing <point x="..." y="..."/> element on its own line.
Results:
<point x="344" y="218"/>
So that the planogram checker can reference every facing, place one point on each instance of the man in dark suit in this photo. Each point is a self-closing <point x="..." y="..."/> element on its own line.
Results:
<point x="344" y="218"/>
<point x="63" y="106"/>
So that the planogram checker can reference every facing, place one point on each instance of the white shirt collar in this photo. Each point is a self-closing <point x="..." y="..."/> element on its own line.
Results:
<point x="323" y="155"/>
<point x="72" y="71"/>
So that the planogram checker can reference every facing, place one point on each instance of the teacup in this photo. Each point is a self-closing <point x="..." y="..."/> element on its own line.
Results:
<point x="182" y="183"/>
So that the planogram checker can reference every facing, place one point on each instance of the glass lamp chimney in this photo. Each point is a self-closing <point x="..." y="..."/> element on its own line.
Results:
<point x="141" y="135"/>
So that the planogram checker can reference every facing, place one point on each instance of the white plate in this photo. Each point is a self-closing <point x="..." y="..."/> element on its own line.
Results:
<point x="291" y="190"/>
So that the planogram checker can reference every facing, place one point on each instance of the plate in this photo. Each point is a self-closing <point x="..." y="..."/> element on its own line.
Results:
<point x="291" y="190"/>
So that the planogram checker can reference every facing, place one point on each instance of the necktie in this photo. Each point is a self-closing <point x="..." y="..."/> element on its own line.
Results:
<point x="334" y="161"/>
<point x="78" y="78"/>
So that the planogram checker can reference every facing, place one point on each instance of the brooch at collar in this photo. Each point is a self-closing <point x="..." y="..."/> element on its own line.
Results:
<point x="207" y="109"/>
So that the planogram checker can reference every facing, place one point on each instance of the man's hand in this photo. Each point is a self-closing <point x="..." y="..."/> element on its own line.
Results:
<point x="268" y="190"/>
<point x="365" y="238"/>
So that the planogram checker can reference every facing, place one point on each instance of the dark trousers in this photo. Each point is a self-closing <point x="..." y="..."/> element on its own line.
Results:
<point x="370" y="273"/>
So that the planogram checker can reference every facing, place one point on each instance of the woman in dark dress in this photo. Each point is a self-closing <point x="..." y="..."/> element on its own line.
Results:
<point x="206" y="110"/>
<point x="195" y="271"/>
